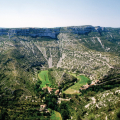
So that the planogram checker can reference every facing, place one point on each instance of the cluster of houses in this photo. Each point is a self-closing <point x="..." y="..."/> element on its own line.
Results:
<point x="84" y="87"/>
<point x="57" y="92"/>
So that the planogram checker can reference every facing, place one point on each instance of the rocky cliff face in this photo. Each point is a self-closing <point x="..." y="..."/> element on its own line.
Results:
<point x="49" y="32"/>
<point x="52" y="33"/>
<point x="32" y="32"/>
<point x="4" y="31"/>
<point x="87" y="29"/>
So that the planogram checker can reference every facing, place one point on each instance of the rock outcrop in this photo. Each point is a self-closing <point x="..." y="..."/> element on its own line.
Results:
<point x="38" y="32"/>
<point x="3" y="31"/>
<point x="87" y="29"/>
<point x="33" y="32"/>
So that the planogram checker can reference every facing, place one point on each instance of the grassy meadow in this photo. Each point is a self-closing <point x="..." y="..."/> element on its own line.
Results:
<point x="43" y="76"/>
<point x="82" y="80"/>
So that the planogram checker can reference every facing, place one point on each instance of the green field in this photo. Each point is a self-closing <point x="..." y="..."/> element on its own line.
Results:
<point x="82" y="80"/>
<point x="43" y="76"/>
<point x="55" y="116"/>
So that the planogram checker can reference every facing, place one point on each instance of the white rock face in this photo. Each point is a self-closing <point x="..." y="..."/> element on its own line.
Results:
<point x="50" y="62"/>
<point x="100" y="42"/>
<point x="93" y="102"/>
<point x="60" y="61"/>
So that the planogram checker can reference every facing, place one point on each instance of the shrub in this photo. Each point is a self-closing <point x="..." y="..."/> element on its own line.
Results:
<point x="117" y="115"/>
<point x="89" y="82"/>
<point x="79" y="117"/>
<point x="91" y="117"/>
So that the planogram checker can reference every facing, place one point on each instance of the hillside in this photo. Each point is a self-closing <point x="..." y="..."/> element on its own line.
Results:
<point x="57" y="57"/>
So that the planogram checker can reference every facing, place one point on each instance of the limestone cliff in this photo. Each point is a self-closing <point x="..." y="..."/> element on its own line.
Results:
<point x="50" y="32"/>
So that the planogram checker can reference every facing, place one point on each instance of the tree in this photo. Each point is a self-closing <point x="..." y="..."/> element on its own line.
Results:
<point x="37" y="86"/>
<point x="89" y="82"/>
<point x="65" y="114"/>
<point x="92" y="117"/>
<point x="117" y="115"/>
<point x="79" y="117"/>
<point x="4" y="115"/>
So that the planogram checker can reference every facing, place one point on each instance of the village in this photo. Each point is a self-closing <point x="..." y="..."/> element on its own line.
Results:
<point x="43" y="107"/>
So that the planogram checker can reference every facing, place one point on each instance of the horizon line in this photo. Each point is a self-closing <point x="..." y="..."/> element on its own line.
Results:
<point x="55" y="27"/>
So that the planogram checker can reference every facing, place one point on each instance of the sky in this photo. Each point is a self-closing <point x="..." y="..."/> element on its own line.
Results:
<point x="59" y="13"/>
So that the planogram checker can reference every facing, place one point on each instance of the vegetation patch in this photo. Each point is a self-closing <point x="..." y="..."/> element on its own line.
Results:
<point x="71" y="91"/>
<point x="52" y="79"/>
<point x="55" y="116"/>
<point x="43" y="76"/>
<point x="110" y="81"/>
<point x="82" y="80"/>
